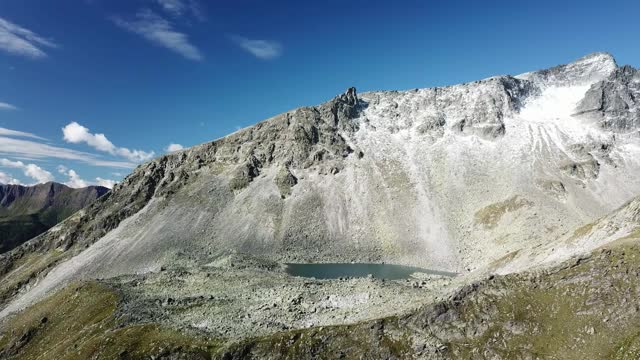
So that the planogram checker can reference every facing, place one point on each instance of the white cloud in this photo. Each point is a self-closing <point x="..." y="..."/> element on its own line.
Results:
<point x="105" y="182"/>
<point x="17" y="40"/>
<point x="37" y="173"/>
<point x="33" y="171"/>
<point x="159" y="31"/>
<point x="75" y="181"/>
<point x="8" y="179"/>
<point x="75" y="133"/>
<point x="7" y="106"/>
<point x="174" y="147"/>
<point x="262" y="49"/>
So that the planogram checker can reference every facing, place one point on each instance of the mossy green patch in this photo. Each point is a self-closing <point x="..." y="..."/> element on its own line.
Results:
<point x="366" y="340"/>
<point x="79" y="322"/>
<point x="585" y="310"/>
<point x="490" y="215"/>
<point x="580" y="232"/>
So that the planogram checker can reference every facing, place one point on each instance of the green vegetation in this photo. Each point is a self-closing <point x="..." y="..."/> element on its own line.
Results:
<point x="580" y="232"/>
<point x="27" y="212"/>
<point x="585" y="310"/>
<point x="367" y="340"/>
<point x="490" y="215"/>
<point x="14" y="230"/>
<point x="79" y="322"/>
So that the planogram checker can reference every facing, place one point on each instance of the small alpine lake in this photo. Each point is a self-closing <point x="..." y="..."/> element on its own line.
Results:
<point x="358" y="270"/>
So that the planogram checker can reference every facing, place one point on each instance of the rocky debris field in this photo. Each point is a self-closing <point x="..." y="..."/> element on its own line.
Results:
<point x="241" y="295"/>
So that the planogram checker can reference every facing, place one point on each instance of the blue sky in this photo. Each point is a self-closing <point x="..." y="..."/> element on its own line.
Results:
<point x="125" y="79"/>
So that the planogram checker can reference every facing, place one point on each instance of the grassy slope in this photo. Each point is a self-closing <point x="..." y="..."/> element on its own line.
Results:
<point x="79" y="322"/>
<point x="15" y="230"/>
<point x="587" y="309"/>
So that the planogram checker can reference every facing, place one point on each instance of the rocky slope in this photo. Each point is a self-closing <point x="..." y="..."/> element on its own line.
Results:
<point x="454" y="178"/>
<point x="585" y="308"/>
<point x="28" y="211"/>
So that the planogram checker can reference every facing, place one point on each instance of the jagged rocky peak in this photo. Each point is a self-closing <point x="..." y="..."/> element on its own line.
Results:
<point x="586" y="70"/>
<point x="474" y="108"/>
<point x="345" y="108"/>
<point x="349" y="97"/>
<point x="485" y="105"/>
<point x="302" y="138"/>
<point x="613" y="102"/>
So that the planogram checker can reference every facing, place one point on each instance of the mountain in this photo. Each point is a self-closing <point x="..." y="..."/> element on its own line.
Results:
<point x="27" y="211"/>
<point x="510" y="175"/>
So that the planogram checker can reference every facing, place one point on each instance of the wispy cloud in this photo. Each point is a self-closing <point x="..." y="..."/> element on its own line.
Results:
<point x="9" y="132"/>
<point x="173" y="147"/>
<point x="179" y="8"/>
<point x="7" y="106"/>
<point x="159" y="31"/>
<point x="75" y="133"/>
<point x="262" y="49"/>
<point x="22" y="148"/>
<point x="17" y="40"/>
<point x="33" y="171"/>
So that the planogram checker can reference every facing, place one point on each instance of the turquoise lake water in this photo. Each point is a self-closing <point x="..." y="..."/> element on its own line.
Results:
<point x="342" y="270"/>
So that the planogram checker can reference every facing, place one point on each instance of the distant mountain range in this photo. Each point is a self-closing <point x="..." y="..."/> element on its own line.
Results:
<point x="28" y="211"/>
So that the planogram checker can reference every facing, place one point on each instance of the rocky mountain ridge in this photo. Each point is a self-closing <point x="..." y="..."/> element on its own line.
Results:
<point x="453" y="178"/>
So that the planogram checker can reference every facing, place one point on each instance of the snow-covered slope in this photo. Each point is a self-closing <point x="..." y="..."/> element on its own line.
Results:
<point x="453" y="178"/>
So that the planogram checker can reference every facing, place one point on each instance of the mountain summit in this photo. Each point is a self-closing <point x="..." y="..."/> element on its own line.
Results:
<point x="454" y="178"/>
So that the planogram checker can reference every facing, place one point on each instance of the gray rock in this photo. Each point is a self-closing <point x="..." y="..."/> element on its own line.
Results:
<point x="584" y="170"/>
<point x="487" y="110"/>
<point x="244" y="173"/>
<point x="285" y="181"/>
<point x="614" y="102"/>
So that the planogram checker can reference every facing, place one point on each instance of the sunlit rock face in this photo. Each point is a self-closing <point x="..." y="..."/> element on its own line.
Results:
<point x="455" y="178"/>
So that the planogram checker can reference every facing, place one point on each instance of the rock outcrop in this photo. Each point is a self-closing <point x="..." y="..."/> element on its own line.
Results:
<point x="614" y="102"/>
